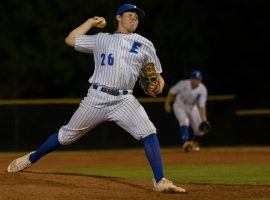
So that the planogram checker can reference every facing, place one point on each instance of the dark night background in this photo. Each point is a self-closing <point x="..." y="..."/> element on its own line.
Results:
<point x="225" y="39"/>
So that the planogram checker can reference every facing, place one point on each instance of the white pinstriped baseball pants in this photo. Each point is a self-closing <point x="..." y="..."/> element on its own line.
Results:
<point x="187" y="118"/>
<point x="97" y="107"/>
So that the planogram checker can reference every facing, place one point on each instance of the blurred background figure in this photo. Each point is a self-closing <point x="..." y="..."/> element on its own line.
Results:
<point x="189" y="105"/>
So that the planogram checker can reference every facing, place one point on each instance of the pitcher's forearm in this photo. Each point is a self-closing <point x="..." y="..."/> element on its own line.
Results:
<point x="99" y="22"/>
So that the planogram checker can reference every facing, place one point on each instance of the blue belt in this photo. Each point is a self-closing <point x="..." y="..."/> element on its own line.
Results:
<point x="111" y="91"/>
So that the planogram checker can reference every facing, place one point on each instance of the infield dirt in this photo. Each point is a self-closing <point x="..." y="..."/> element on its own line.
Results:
<point x="38" y="183"/>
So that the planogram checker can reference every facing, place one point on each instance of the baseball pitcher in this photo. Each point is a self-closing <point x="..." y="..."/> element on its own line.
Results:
<point x="119" y="57"/>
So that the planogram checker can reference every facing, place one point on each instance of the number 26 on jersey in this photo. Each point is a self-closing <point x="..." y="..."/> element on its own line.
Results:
<point x="107" y="59"/>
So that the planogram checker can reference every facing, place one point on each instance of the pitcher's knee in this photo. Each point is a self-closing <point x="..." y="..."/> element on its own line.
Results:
<point x="67" y="136"/>
<point x="64" y="141"/>
<point x="146" y="133"/>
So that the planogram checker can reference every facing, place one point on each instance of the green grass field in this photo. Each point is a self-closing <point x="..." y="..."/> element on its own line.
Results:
<point x="228" y="174"/>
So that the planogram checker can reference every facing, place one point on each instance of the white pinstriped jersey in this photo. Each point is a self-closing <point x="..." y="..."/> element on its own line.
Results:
<point x="186" y="97"/>
<point x="118" y="57"/>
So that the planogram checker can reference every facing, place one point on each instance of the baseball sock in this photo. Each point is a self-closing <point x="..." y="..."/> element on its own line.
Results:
<point x="184" y="134"/>
<point x="48" y="146"/>
<point x="152" y="151"/>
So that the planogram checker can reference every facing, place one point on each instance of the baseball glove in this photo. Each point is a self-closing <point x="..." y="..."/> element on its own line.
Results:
<point x="205" y="127"/>
<point x="148" y="79"/>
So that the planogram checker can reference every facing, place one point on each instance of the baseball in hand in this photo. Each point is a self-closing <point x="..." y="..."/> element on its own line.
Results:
<point x="102" y="23"/>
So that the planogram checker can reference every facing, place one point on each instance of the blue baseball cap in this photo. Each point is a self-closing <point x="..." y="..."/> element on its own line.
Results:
<point x="196" y="75"/>
<point x="130" y="7"/>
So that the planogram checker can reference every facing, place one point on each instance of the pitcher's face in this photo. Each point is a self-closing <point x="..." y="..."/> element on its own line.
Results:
<point x="127" y="22"/>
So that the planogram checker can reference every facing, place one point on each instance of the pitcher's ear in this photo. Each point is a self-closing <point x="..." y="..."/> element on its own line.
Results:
<point x="118" y="17"/>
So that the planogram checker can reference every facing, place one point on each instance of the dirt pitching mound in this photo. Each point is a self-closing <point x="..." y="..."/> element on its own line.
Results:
<point x="37" y="183"/>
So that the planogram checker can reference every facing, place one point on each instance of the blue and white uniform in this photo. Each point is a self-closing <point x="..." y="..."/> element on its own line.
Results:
<point x="118" y="59"/>
<point x="186" y="104"/>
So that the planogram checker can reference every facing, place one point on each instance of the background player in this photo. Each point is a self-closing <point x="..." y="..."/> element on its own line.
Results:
<point x="118" y="59"/>
<point x="189" y="108"/>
